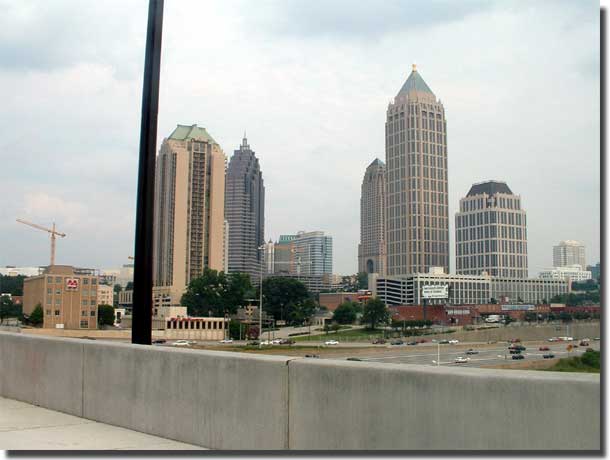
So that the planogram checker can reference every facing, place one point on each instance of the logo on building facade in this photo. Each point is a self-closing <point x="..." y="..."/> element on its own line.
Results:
<point x="71" y="284"/>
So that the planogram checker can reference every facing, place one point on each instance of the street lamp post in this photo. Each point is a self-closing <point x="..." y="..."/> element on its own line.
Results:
<point x="260" y="304"/>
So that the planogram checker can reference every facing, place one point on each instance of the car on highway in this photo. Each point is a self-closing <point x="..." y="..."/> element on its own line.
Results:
<point x="596" y="339"/>
<point x="412" y="343"/>
<point x="514" y="340"/>
<point x="276" y="342"/>
<point x="331" y="342"/>
<point x="265" y="342"/>
<point x="453" y="341"/>
<point x="226" y="341"/>
<point x="158" y="341"/>
<point x="253" y="343"/>
<point x="553" y="339"/>
<point x="519" y="356"/>
<point x="517" y="347"/>
<point x="287" y="342"/>
<point x="548" y="356"/>
<point x="443" y="342"/>
<point x="472" y="352"/>
<point x="461" y="360"/>
<point x="181" y="343"/>
<point x="312" y="356"/>
<point x="514" y="351"/>
<point x="397" y="342"/>
<point x="354" y="359"/>
<point x="378" y="341"/>
<point x="543" y="349"/>
<point x="584" y="343"/>
<point x="422" y="340"/>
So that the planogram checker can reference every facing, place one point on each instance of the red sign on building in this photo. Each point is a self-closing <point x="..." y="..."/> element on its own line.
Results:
<point x="71" y="284"/>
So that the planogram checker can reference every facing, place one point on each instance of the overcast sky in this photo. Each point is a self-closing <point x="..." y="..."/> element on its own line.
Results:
<point x="310" y="81"/>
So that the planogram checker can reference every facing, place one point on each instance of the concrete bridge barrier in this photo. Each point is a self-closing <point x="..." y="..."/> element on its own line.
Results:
<point x="226" y="400"/>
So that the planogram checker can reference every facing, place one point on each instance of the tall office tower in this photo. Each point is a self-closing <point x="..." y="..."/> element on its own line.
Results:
<point x="189" y="210"/>
<point x="568" y="253"/>
<point x="245" y="211"/>
<point x="491" y="233"/>
<point x="417" y="223"/>
<point x="371" y="250"/>
<point x="304" y="254"/>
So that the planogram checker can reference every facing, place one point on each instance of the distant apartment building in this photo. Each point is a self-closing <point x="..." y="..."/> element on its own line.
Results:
<point x="569" y="252"/>
<point x="417" y="222"/>
<point x="245" y="211"/>
<point x="572" y="273"/>
<point x="595" y="270"/>
<point x="371" y="250"/>
<point x="189" y="210"/>
<point x="269" y="257"/>
<point x="68" y="297"/>
<point x="121" y="275"/>
<point x="105" y="294"/>
<point x="11" y="270"/>
<point x="491" y="232"/>
<point x="304" y="254"/>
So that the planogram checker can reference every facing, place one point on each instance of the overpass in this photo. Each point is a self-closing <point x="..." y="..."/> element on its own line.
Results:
<point x="226" y="400"/>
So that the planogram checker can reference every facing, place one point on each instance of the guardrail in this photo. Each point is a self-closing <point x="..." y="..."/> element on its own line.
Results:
<point x="226" y="400"/>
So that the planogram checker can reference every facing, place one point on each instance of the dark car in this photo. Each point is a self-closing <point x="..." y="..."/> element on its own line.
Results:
<point x="159" y="341"/>
<point x="253" y="343"/>
<point x="518" y="347"/>
<point x="287" y="342"/>
<point x="544" y="349"/>
<point x="514" y="351"/>
<point x="396" y="342"/>
<point x="472" y="352"/>
<point x="378" y="341"/>
<point x="584" y="343"/>
<point x="312" y="356"/>
<point x="354" y="359"/>
<point x="444" y="341"/>
<point x="519" y="356"/>
<point x="412" y="343"/>
<point x="548" y="356"/>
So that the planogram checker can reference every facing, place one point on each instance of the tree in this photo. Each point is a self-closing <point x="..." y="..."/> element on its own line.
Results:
<point x="363" y="280"/>
<point x="281" y="295"/>
<point x="129" y="286"/>
<point x="375" y="312"/>
<point x="117" y="288"/>
<point x="37" y="317"/>
<point x="300" y="313"/>
<point x="6" y="307"/>
<point x="105" y="315"/>
<point x="345" y="313"/>
<point x="12" y="285"/>
<point x="530" y="316"/>
<point x="493" y="301"/>
<point x="217" y="293"/>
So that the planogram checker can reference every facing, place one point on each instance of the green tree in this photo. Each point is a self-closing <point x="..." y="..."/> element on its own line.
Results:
<point x="238" y="289"/>
<point x="363" y="280"/>
<point x="281" y="295"/>
<point x="129" y="286"/>
<point x="12" y="285"/>
<point x="375" y="312"/>
<point x="6" y="307"/>
<point x="530" y="316"/>
<point x="37" y="316"/>
<point x="300" y="313"/>
<point x="105" y="315"/>
<point x="345" y="313"/>
<point x="117" y="288"/>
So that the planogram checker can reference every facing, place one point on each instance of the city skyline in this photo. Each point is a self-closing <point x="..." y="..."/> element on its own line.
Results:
<point x="515" y="114"/>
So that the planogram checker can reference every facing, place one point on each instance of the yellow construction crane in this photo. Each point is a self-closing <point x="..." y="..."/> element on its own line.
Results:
<point x="53" y="233"/>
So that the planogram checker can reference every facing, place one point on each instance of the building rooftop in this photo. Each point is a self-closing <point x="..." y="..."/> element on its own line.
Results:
<point x="415" y="83"/>
<point x="185" y="132"/>
<point x="490" y="188"/>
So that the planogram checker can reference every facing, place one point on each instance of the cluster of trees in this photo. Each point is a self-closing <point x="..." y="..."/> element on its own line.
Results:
<point x="588" y="285"/>
<point x="373" y="313"/>
<point x="574" y="299"/>
<point x="12" y="285"/>
<point x="8" y="309"/>
<point x="216" y="293"/>
<point x="347" y="312"/>
<point x="563" y="316"/>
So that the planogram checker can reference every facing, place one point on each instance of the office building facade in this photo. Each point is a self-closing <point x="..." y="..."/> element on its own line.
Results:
<point x="67" y="295"/>
<point x="189" y="210"/>
<point x="569" y="252"/>
<point x="371" y="250"/>
<point x="572" y="273"/>
<point x="417" y="216"/>
<point x="304" y="254"/>
<point x="245" y="211"/>
<point x="491" y="232"/>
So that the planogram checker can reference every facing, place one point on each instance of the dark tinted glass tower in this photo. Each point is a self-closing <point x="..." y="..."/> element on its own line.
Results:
<point x="245" y="211"/>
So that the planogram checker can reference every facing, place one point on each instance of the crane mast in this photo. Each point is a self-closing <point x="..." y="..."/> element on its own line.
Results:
<point x="53" y="233"/>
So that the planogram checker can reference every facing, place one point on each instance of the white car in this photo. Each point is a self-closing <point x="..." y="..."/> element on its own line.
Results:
<point x="454" y="341"/>
<point x="265" y="342"/>
<point x="276" y="341"/>
<point x="226" y="341"/>
<point x="181" y="343"/>
<point x="461" y="360"/>
<point x="331" y="342"/>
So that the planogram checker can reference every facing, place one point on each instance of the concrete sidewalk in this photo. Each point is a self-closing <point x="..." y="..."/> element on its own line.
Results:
<point x="27" y="427"/>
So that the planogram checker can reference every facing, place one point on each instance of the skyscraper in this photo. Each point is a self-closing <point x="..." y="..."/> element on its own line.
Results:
<point x="189" y="210"/>
<point x="371" y="250"/>
<point x="417" y="223"/>
<point x="304" y="254"/>
<point x="491" y="232"/>
<point x="569" y="252"/>
<point x="245" y="211"/>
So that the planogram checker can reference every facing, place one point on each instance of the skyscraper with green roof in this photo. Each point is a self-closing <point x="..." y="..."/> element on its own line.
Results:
<point x="417" y="215"/>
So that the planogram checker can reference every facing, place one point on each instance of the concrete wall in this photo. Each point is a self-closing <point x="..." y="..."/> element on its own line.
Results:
<point x="225" y="400"/>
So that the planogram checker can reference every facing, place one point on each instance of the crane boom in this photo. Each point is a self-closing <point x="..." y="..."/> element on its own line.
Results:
<point x="53" y="233"/>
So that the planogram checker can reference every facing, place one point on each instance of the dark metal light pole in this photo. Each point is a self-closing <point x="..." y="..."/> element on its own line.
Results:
<point x="141" y="331"/>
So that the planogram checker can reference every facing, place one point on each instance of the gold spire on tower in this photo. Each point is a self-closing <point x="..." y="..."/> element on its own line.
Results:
<point x="414" y="67"/>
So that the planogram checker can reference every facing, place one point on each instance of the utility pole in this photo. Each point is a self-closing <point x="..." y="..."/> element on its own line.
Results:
<point x="260" y="304"/>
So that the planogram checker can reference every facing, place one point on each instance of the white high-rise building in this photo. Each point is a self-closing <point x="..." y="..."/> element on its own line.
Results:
<point x="569" y="252"/>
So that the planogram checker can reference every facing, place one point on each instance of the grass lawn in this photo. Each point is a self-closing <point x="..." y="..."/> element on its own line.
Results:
<point x="587" y="362"/>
